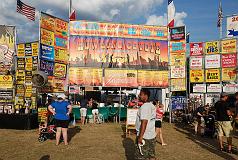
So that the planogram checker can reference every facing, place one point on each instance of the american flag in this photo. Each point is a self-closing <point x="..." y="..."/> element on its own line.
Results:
<point x="219" y="21"/>
<point x="26" y="10"/>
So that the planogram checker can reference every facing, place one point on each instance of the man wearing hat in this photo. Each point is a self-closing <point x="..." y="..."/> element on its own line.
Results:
<point x="223" y="115"/>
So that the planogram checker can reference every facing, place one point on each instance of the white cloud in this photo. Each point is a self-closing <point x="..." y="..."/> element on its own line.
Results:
<point x="124" y="11"/>
<point x="162" y="20"/>
<point x="179" y="18"/>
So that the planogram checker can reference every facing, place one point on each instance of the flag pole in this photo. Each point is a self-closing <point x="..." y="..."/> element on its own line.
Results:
<point x="70" y="6"/>
<point x="220" y="10"/>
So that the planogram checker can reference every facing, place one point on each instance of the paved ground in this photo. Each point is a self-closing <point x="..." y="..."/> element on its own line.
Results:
<point x="107" y="142"/>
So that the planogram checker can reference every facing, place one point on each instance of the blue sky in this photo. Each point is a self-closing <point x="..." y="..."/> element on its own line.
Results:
<point x="200" y="16"/>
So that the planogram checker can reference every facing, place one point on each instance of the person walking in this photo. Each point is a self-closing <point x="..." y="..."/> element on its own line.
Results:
<point x="158" y="121"/>
<point x="223" y="115"/>
<point x="145" y="127"/>
<point x="61" y="110"/>
<point x="83" y="110"/>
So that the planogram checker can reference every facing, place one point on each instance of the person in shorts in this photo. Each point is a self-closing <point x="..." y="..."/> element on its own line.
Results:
<point x="223" y="114"/>
<point x="158" y="121"/>
<point x="83" y="110"/>
<point x="145" y="127"/>
<point x="61" y="110"/>
<point x="95" y="111"/>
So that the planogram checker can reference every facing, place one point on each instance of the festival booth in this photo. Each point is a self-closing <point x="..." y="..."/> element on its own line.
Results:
<point x="113" y="59"/>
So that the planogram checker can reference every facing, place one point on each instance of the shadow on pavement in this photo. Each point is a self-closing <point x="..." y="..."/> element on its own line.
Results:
<point x="128" y="144"/>
<point x="207" y="143"/>
<point x="45" y="157"/>
<point x="73" y="131"/>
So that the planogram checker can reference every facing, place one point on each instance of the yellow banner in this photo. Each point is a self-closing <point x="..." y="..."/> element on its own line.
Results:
<point x="20" y="76"/>
<point x="47" y="22"/>
<point x="58" y="85"/>
<point x="213" y="75"/>
<point x="61" y="55"/>
<point x="20" y="50"/>
<point x="212" y="47"/>
<point x="60" y="70"/>
<point x="47" y="37"/>
<point x="35" y="48"/>
<point x="228" y="74"/>
<point x="85" y="76"/>
<point x="28" y="92"/>
<point x="178" y="85"/>
<point x="28" y="63"/>
<point x="6" y="81"/>
<point x="177" y="59"/>
<point x="228" y="46"/>
<point x="196" y="76"/>
<point x="153" y="78"/>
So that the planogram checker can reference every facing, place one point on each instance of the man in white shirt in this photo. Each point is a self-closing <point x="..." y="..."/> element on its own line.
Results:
<point x="145" y="127"/>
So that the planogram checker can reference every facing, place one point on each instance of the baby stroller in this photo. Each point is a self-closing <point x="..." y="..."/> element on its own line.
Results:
<point x="47" y="131"/>
<point x="210" y="125"/>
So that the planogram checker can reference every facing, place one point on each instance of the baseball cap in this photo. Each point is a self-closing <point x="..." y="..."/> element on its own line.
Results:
<point x="61" y="96"/>
<point x="223" y="94"/>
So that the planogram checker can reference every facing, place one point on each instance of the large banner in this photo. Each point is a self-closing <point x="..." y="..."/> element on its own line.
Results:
<point x="212" y="47"/>
<point x="110" y="52"/>
<point x="212" y="61"/>
<point x="85" y="76"/>
<point x="123" y="78"/>
<point x="196" y="49"/>
<point x="153" y="78"/>
<point x="196" y="62"/>
<point x="178" y="85"/>
<point x="213" y="75"/>
<point x="229" y="60"/>
<point x="232" y="26"/>
<point x="85" y="28"/>
<point x="196" y="76"/>
<point x="229" y="74"/>
<point x="228" y="46"/>
<point x="7" y="47"/>
<point x="53" y="51"/>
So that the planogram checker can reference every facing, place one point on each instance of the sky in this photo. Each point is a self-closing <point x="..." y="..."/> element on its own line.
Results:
<point x="199" y="16"/>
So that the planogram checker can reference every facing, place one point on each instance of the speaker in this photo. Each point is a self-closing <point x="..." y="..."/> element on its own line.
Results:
<point x="39" y="79"/>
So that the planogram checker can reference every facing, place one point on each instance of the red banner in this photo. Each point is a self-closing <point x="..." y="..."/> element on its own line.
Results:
<point x="229" y="60"/>
<point x="196" y="49"/>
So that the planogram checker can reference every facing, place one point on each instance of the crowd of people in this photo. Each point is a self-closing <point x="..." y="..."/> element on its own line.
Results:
<point x="149" y="121"/>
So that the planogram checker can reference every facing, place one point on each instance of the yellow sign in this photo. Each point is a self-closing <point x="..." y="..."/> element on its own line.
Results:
<point x="228" y="74"/>
<point x="196" y="76"/>
<point x="178" y="84"/>
<point x="47" y="37"/>
<point x="6" y="81"/>
<point x="228" y="46"/>
<point x="20" y="50"/>
<point x="28" y="92"/>
<point x="28" y="63"/>
<point x="20" y="76"/>
<point x="61" y="55"/>
<point x="212" y="47"/>
<point x="35" y="49"/>
<point x="177" y="59"/>
<point x="213" y="75"/>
